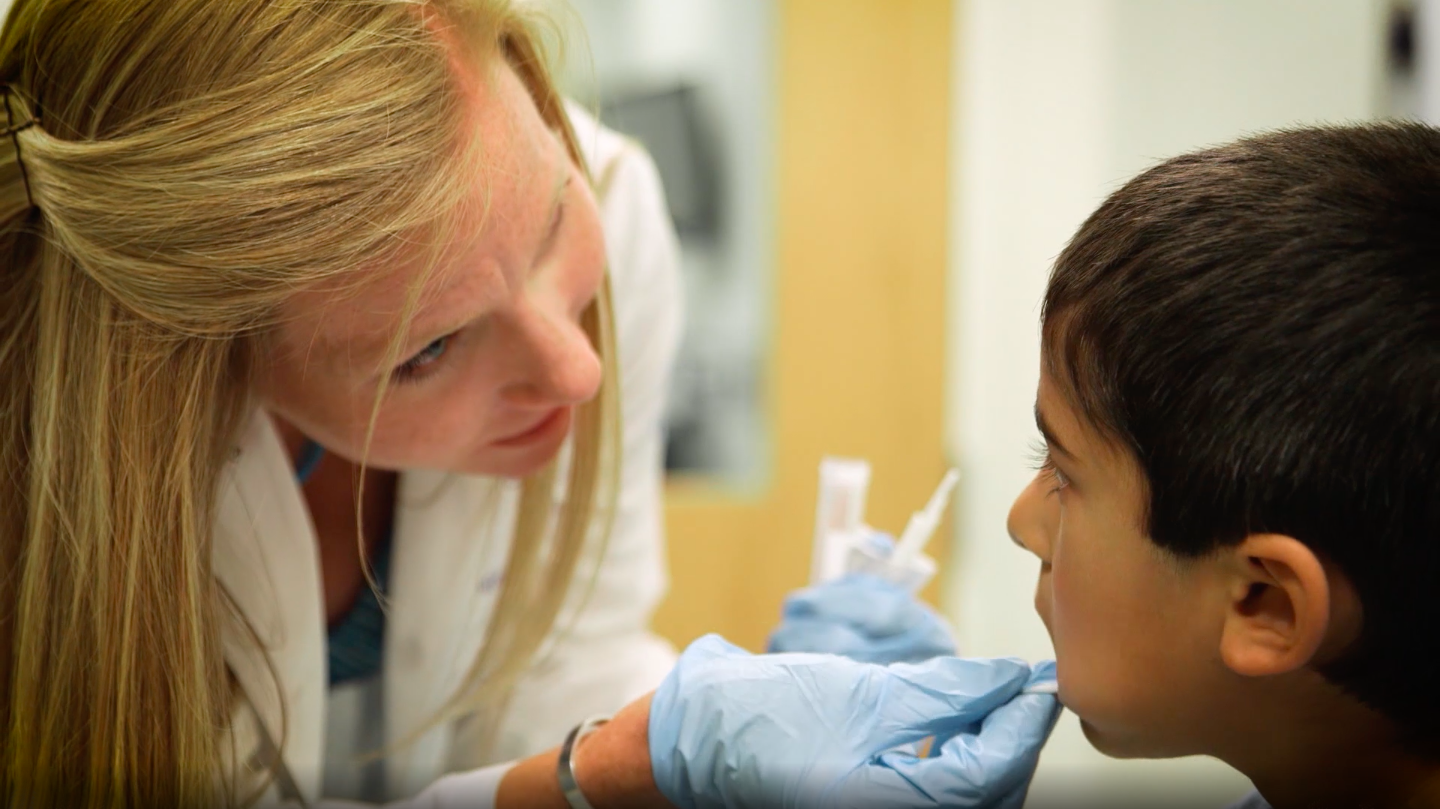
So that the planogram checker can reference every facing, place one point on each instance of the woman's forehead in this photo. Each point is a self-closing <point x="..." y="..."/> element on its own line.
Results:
<point x="353" y="318"/>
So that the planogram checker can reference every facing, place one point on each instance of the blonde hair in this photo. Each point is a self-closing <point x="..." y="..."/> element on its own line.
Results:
<point x="193" y="164"/>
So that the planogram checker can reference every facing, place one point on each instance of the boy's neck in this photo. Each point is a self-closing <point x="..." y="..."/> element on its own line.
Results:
<point x="1342" y="756"/>
<point x="1427" y="792"/>
<point x="1403" y="784"/>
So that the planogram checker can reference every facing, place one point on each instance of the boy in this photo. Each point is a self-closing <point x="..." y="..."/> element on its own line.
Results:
<point x="1238" y="518"/>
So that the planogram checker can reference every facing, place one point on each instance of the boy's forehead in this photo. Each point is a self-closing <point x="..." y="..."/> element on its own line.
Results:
<point x="1050" y="434"/>
<point x="1057" y="397"/>
<point x="1065" y="428"/>
<point x="1060" y="402"/>
<point x="1110" y="473"/>
<point x="1053" y="415"/>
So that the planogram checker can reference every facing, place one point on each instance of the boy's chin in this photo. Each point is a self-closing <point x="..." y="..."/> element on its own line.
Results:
<point x="1125" y="745"/>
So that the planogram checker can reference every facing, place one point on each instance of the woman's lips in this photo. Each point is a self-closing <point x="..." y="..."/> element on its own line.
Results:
<point x="556" y="421"/>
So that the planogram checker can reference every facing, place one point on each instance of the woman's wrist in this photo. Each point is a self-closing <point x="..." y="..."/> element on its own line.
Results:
<point x="611" y="766"/>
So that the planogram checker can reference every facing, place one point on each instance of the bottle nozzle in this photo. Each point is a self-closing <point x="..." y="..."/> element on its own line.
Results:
<point x="923" y="523"/>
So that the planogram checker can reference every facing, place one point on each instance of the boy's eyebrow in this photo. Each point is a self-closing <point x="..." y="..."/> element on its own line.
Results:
<point x="1049" y="434"/>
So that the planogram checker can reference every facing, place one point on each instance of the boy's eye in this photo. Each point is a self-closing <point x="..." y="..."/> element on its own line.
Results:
<point x="1059" y="477"/>
<point x="1042" y="462"/>
<point x="416" y="366"/>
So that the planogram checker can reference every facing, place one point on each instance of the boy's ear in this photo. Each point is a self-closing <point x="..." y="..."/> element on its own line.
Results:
<point x="1281" y="611"/>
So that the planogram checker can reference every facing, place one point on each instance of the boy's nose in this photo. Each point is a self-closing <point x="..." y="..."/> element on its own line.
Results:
<point x="1034" y="519"/>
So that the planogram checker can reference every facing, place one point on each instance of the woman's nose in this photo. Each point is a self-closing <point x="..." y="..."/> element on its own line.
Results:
<point x="556" y="365"/>
<point x="1034" y="519"/>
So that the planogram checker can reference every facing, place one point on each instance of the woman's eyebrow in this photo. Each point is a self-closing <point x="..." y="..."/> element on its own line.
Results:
<point x="447" y="309"/>
<point x="1049" y="434"/>
<point x="453" y="307"/>
<point x="430" y="324"/>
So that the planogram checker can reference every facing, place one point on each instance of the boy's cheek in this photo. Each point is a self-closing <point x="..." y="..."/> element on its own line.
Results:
<point x="1085" y="663"/>
<point x="1044" y="601"/>
<point x="1104" y="660"/>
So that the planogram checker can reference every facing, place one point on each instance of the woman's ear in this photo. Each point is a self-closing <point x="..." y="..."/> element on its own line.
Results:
<point x="1280" y="600"/>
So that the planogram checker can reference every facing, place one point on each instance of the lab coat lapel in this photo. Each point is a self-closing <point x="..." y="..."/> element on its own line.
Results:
<point x="266" y="559"/>
<point x="449" y="549"/>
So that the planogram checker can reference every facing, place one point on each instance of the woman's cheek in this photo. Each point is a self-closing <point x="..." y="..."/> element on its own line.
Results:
<point x="591" y="276"/>
<point x="409" y="436"/>
<point x="587" y="256"/>
<point x="434" y="429"/>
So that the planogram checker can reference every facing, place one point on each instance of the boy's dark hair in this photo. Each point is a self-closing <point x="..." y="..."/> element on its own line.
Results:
<point x="1259" y="324"/>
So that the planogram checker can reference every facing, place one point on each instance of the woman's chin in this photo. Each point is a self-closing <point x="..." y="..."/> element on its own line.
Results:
<point x="517" y="469"/>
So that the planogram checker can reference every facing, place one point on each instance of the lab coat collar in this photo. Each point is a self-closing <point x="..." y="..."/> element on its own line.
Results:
<point x="446" y="563"/>
<point x="445" y="573"/>
<point x="265" y="558"/>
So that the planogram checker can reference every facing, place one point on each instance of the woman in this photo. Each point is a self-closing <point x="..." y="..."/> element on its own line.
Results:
<point x="308" y="299"/>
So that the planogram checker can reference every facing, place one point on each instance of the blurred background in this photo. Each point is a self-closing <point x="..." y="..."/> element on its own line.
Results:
<point x="694" y="81"/>
<point x="870" y="194"/>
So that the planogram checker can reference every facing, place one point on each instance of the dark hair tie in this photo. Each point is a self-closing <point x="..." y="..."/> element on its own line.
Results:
<point x="13" y="131"/>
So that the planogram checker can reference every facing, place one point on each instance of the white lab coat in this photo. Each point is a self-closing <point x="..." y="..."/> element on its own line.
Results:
<point x="447" y="558"/>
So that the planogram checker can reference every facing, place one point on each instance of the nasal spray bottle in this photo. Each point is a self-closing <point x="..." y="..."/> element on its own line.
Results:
<point x="845" y="544"/>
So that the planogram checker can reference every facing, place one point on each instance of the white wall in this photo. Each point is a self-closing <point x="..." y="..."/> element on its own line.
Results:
<point x="1427" y="62"/>
<point x="1057" y="102"/>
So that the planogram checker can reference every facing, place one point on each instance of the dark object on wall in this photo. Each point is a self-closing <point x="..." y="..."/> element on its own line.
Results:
<point x="671" y="124"/>
<point x="1401" y="37"/>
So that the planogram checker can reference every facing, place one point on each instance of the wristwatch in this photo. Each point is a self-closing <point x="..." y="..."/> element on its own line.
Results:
<point x="566" y="770"/>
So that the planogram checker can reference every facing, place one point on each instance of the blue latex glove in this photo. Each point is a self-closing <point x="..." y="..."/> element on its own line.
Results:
<point x="731" y="729"/>
<point x="863" y="618"/>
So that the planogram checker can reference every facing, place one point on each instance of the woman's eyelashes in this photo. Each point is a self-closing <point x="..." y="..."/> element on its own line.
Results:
<point x="1043" y="462"/>
<point x="555" y="225"/>
<point x="423" y="363"/>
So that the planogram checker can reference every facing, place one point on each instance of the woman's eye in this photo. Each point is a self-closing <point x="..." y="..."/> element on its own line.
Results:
<point x="416" y="366"/>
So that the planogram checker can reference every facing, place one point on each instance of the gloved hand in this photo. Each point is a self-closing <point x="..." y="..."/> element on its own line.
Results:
<point x="863" y="618"/>
<point x="731" y="729"/>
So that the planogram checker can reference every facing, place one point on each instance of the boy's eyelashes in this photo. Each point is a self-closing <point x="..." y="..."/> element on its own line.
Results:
<point x="1042" y="461"/>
